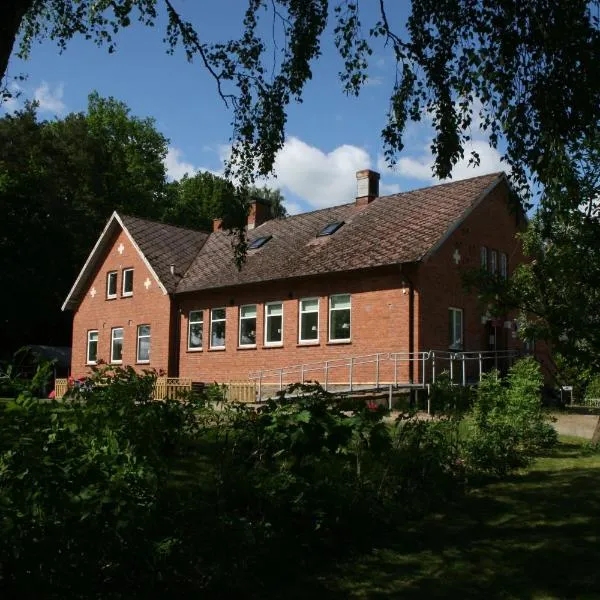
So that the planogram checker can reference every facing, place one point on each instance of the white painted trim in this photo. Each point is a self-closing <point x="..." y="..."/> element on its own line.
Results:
<point x="89" y="262"/>
<point x="300" y="313"/>
<point x="501" y="178"/>
<point x="87" y="353"/>
<point x="144" y="259"/>
<point x="240" y="318"/>
<point x="110" y="296"/>
<point x="137" y="345"/>
<point x="462" y="328"/>
<point x="340" y="340"/>
<point x="190" y="323"/>
<point x="125" y="294"/>
<point x="265" y="318"/>
<point x="112" y="340"/>
<point x="210" y="344"/>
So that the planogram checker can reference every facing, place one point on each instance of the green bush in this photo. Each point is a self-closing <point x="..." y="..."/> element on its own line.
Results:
<point x="508" y="425"/>
<point x="592" y="393"/>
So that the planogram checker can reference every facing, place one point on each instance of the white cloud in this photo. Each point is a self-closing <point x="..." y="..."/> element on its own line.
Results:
<point x="12" y="103"/>
<point x="420" y="167"/>
<point x="374" y="80"/>
<point x="321" y="179"/>
<point x="50" y="100"/>
<point x="176" y="166"/>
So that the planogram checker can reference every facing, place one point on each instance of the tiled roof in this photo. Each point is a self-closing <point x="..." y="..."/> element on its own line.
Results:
<point x="166" y="245"/>
<point x="395" y="229"/>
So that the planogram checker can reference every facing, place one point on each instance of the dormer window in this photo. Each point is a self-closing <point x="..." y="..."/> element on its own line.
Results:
<point x="259" y="242"/>
<point x="330" y="228"/>
<point x="127" y="282"/>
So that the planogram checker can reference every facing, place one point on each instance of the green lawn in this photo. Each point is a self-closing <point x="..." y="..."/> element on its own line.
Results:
<point x="535" y="535"/>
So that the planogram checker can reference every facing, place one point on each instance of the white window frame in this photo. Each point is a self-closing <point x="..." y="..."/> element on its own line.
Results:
<point x="504" y="265"/>
<point x="452" y="310"/>
<point x="266" y="319"/>
<point x="190" y="323"/>
<point x="331" y="309"/>
<point x="125" y="294"/>
<point x="240" y="319"/>
<point x="494" y="262"/>
<point x="302" y="312"/>
<point x="483" y="258"/>
<point x="112" y="344"/>
<point x="110" y="296"/>
<point x="87" y="355"/>
<point x="137" y="352"/>
<point x="212" y="321"/>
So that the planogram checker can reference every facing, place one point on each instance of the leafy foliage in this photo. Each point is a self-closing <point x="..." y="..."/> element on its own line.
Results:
<point x="508" y="423"/>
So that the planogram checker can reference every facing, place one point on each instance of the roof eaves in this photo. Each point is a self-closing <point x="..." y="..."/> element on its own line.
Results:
<point x="501" y="178"/>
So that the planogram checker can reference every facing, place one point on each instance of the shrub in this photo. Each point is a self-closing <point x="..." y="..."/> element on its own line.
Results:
<point x="508" y="425"/>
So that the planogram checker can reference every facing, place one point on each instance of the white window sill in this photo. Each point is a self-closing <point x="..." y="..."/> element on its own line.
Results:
<point x="126" y="294"/>
<point x="111" y="297"/>
<point x="334" y="342"/>
<point x="247" y="347"/>
<point x="273" y="345"/>
<point x="195" y="349"/>
<point x="217" y="348"/>
<point x="309" y="343"/>
<point x="116" y="362"/>
<point x="91" y="363"/>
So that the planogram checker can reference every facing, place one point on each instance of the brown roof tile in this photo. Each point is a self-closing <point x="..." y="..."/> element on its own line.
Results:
<point x="392" y="229"/>
<point x="166" y="245"/>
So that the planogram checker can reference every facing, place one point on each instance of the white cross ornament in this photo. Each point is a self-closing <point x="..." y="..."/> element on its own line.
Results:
<point x="120" y="248"/>
<point x="456" y="256"/>
<point x="93" y="292"/>
<point x="147" y="283"/>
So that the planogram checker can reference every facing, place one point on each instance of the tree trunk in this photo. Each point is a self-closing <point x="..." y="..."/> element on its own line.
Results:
<point x="11" y="15"/>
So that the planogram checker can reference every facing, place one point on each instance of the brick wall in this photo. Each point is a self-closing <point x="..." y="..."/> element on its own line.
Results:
<point x="379" y="324"/>
<point x="147" y="306"/>
<point x="439" y="279"/>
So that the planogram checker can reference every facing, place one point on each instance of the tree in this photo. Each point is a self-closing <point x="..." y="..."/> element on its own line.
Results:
<point x="59" y="183"/>
<point x="533" y="65"/>
<point x="273" y="196"/>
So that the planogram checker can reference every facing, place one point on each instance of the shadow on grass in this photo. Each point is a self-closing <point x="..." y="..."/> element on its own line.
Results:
<point x="534" y="535"/>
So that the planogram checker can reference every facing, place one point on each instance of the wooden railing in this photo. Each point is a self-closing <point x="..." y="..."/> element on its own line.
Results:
<point x="240" y="391"/>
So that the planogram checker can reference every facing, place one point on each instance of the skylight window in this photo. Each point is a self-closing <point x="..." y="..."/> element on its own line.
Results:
<point x="330" y="228"/>
<point x="259" y="242"/>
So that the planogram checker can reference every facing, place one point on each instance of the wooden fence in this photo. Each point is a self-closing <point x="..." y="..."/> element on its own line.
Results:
<point x="60" y="387"/>
<point x="171" y="388"/>
<point x="165" y="387"/>
<point x="240" y="391"/>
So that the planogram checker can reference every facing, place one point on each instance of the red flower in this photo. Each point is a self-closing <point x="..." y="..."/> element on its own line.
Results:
<point x="52" y="395"/>
<point x="373" y="406"/>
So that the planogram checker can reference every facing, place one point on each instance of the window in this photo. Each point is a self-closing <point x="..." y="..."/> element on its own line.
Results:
<point x="494" y="265"/>
<point x="456" y="328"/>
<point x="143" y="343"/>
<point x="330" y="228"/>
<point x="483" y="253"/>
<point x="309" y="320"/>
<point x="127" y="282"/>
<point x="195" y="330"/>
<point x="259" y="242"/>
<point x="273" y="323"/>
<point x="217" y="328"/>
<point x="116" y="345"/>
<point x="92" y="347"/>
<point x="503" y="265"/>
<point x="339" y="318"/>
<point x="248" y="325"/>
<point x="111" y="284"/>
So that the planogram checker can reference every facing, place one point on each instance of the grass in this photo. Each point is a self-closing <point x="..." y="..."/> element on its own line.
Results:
<point x="534" y="535"/>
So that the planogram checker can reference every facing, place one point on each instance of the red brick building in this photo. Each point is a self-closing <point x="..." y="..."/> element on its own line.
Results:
<point x="377" y="276"/>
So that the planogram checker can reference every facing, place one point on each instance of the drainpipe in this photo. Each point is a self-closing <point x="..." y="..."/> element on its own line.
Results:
<point x="411" y="334"/>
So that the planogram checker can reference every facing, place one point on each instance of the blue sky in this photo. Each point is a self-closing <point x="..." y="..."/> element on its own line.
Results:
<point x="329" y="136"/>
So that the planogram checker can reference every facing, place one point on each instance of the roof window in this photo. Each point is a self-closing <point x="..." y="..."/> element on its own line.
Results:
<point x="330" y="228"/>
<point x="259" y="242"/>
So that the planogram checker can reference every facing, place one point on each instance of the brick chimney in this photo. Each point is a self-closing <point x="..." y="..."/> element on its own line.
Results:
<point x="217" y="224"/>
<point x="260" y="211"/>
<point x="367" y="186"/>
